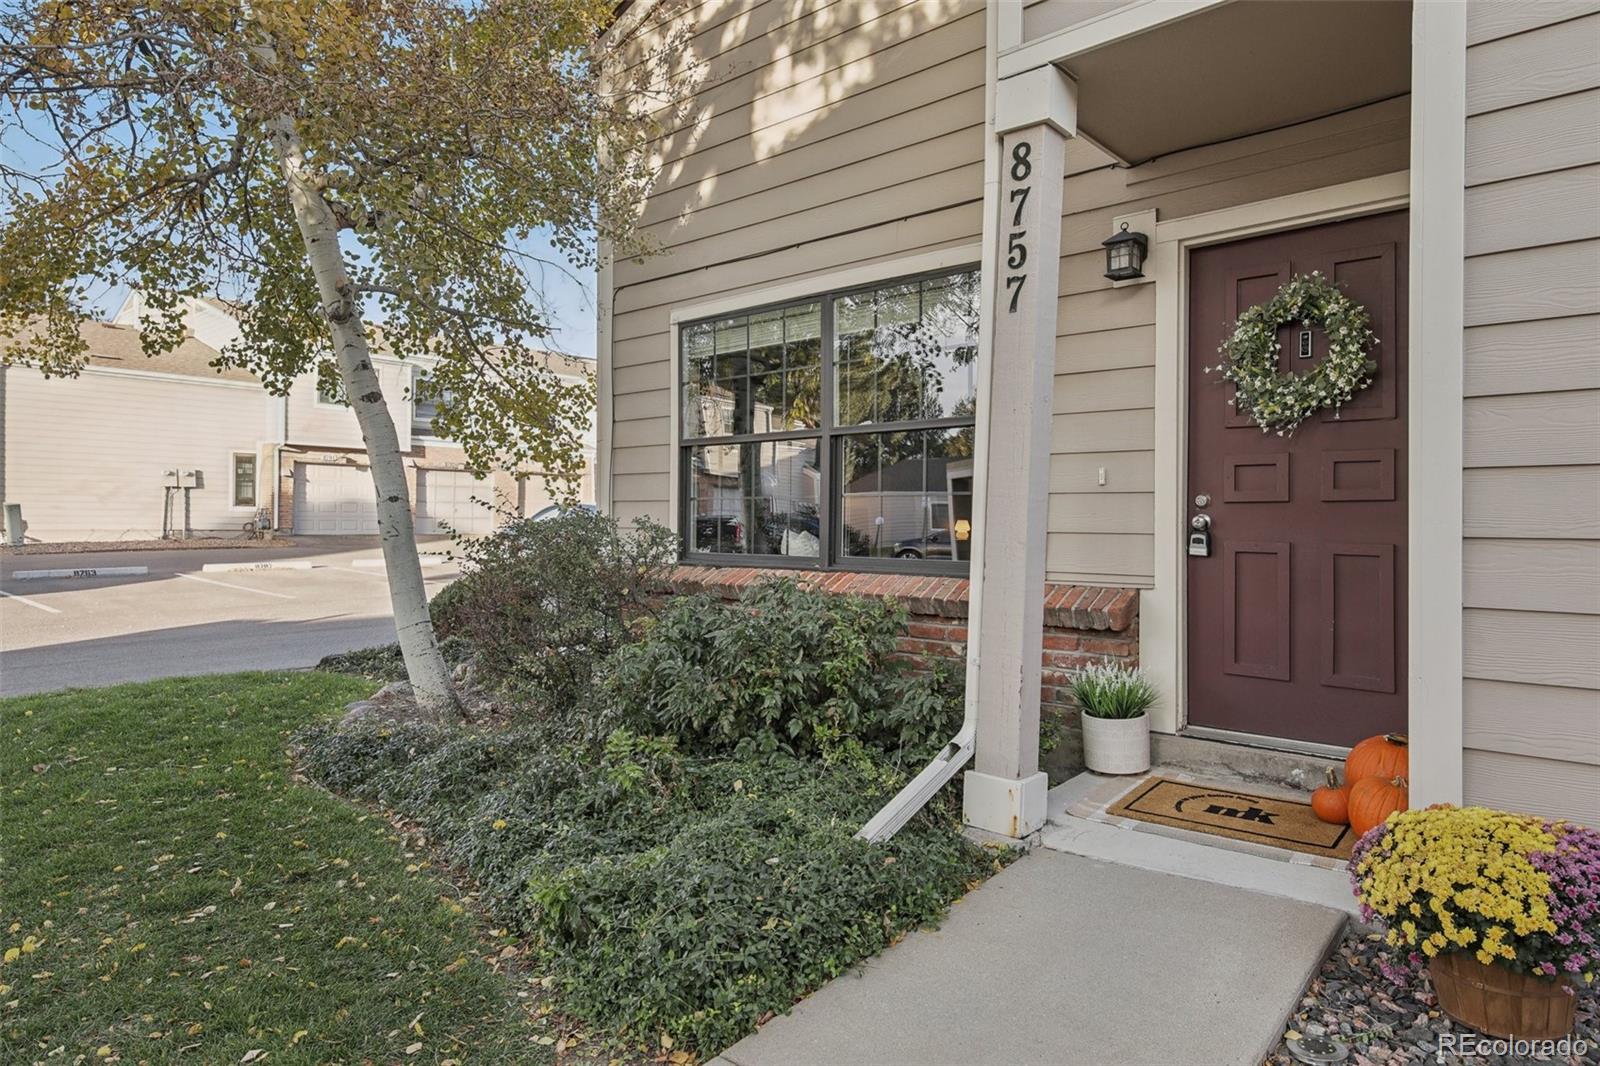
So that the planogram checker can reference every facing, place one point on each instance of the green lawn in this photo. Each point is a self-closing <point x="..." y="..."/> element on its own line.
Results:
<point x="168" y="893"/>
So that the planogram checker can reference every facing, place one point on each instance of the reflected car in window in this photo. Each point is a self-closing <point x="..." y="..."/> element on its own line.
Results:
<point x="935" y="545"/>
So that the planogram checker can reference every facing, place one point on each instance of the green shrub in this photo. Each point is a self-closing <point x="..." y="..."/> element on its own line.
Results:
<point x="543" y="603"/>
<point x="785" y="667"/>
<point x="668" y="892"/>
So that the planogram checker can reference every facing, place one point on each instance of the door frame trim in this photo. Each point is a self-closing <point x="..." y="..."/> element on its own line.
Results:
<point x="1163" y="609"/>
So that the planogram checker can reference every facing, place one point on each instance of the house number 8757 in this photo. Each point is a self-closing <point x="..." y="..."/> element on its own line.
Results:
<point x="1016" y="249"/>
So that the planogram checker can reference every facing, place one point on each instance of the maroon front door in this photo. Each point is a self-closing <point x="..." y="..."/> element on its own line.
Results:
<point x="1297" y="618"/>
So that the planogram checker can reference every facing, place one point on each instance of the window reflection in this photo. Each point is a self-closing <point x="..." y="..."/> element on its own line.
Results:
<point x="893" y="439"/>
<point x="761" y="498"/>
<point x="907" y="352"/>
<point x="759" y="373"/>
<point x="907" y="495"/>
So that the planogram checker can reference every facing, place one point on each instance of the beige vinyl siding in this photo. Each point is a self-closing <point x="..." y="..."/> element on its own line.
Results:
<point x="1105" y="354"/>
<point x="846" y="134"/>
<point x="85" y="456"/>
<point x="1531" y="432"/>
<point x="319" y="425"/>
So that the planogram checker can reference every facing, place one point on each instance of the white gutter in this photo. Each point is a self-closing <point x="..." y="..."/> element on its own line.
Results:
<point x="277" y="459"/>
<point x="954" y="755"/>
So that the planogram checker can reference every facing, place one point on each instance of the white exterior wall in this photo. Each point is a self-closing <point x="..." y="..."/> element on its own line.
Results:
<point x="84" y="457"/>
<point x="320" y="425"/>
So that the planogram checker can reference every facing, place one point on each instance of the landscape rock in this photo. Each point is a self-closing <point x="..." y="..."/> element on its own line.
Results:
<point x="1390" y="1025"/>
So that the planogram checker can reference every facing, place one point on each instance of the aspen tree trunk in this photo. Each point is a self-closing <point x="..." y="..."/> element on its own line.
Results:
<point x="425" y="665"/>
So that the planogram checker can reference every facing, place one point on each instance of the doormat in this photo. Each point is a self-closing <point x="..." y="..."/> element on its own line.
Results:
<point x="1203" y="808"/>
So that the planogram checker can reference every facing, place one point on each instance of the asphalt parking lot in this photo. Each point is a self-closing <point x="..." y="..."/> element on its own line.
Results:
<point x="180" y="619"/>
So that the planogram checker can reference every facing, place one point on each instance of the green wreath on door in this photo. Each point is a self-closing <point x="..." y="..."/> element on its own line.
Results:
<point x="1279" y="402"/>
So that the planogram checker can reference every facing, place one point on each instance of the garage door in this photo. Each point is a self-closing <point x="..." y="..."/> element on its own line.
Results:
<point x="334" y="499"/>
<point x="445" y="498"/>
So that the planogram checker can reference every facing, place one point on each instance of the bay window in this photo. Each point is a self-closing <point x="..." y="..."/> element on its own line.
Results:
<point x="834" y="431"/>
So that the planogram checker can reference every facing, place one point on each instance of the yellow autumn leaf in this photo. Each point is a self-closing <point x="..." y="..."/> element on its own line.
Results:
<point x="103" y="1051"/>
<point x="299" y="1035"/>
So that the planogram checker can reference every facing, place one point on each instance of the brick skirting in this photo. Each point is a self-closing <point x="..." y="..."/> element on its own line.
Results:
<point x="1082" y="625"/>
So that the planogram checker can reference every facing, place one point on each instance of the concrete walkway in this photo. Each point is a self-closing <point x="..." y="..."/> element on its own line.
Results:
<point x="1063" y="959"/>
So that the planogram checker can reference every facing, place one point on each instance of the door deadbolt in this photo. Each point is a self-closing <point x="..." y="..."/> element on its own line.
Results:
<point x="1202" y="500"/>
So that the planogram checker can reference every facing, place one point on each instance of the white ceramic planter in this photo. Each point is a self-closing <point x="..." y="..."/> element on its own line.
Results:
<point x="1116" y="745"/>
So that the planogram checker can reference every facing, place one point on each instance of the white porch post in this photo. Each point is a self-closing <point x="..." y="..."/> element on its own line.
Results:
<point x="1035" y="113"/>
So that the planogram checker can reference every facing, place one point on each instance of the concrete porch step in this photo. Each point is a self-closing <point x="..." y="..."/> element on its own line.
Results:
<point x="1064" y="959"/>
<point x="1162" y="849"/>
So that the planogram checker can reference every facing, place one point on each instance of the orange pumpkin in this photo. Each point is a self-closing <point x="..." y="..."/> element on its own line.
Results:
<point x="1381" y="756"/>
<point x="1330" y="803"/>
<point x="1373" y="799"/>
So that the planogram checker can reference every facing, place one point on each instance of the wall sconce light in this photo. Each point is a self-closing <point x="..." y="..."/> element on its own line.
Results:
<point x="963" y="529"/>
<point x="1125" y="254"/>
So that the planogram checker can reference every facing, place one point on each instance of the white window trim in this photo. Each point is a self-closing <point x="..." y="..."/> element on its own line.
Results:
<point x="234" y="455"/>
<point x="961" y="255"/>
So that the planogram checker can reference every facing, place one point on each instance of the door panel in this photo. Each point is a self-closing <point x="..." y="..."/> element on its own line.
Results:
<point x="1297" y="620"/>
<point x="1358" y="639"/>
<point x="1256" y="622"/>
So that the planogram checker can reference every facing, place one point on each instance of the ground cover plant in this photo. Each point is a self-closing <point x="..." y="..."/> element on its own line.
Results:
<point x="676" y="899"/>
<point x="675" y="842"/>
<point x="169" y="894"/>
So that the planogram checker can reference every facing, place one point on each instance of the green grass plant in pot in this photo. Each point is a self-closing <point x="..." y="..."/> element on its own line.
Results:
<point x="1115" y="703"/>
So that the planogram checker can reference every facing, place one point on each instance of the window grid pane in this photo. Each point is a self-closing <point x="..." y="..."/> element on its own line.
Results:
<point x="244" y="481"/>
<point x="903" y="351"/>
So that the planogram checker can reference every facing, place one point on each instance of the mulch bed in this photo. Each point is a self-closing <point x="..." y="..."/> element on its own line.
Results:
<point x="79" y="547"/>
<point x="1387" y="1025"/>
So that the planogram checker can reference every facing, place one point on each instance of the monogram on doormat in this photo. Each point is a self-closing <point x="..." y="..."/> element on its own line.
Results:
<point x="1238" y="815"/>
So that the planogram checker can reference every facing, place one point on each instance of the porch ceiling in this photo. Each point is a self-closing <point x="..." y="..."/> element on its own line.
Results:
<point x="1239" y="69"/>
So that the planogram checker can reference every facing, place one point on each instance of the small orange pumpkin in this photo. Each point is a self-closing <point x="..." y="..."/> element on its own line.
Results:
<point x="1373" y="799"/>
<point x="1382" y="756"/>
<point x="1330" y="803"/>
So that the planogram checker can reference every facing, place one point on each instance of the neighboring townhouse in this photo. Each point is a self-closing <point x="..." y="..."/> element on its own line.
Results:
<point x="886" y="315"/>
<point x="87" y="458"/>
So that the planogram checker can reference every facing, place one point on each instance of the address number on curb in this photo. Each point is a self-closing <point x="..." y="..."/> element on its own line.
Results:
<point x="1017" y="239"/>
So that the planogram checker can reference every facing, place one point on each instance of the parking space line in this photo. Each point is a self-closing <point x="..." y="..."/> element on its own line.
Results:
<point x="353" y="570"/>
<point x="31" y="603"/>
<point x="227" y="585"/>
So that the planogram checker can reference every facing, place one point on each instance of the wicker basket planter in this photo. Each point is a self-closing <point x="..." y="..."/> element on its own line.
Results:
<point x="1499" y="1002"/>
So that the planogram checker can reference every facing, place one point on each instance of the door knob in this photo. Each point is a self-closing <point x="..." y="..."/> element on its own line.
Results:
<point x="1201" y="522"/>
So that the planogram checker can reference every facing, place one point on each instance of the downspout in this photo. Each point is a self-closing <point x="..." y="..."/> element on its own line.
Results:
<point x="277" y="460"/>
<point x="954" y="755"/>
